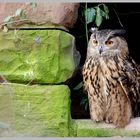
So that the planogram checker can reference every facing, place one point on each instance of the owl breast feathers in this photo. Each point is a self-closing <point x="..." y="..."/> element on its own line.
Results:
<point x="111" y="79"/>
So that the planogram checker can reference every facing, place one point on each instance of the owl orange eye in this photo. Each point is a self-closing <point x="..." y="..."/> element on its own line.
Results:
<point x="94" y="41"/>
<point x="109" y="43"/>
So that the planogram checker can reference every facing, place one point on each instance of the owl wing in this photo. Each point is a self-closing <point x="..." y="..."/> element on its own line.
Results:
<point x="129" y="82"/>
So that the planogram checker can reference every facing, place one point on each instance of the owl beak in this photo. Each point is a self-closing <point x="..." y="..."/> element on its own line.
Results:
<point x="100" y="48"/>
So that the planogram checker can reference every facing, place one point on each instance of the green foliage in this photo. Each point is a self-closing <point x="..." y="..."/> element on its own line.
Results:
<point x="96" y="14"/>
<point x="18" y="12"/>
<point x="21" y="13"/>
<point x="79" y="86"/>
<point x="33" y="5"/>
<point x="84" y="102"/>
<point x="79" y="90"/>
<point x="90" y="15"/>
<point x="106" y="11"/>
<point x="7" y="19"/>
<point x="18" y="15"/>
<point x="99" y="17"/>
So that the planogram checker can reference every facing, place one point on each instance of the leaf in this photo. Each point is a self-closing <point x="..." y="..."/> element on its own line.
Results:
<point x="84" y="102"/>
<point x="83" y="13"/>
<point x="5" y="29"/>
<point x="34" y="5"/>
<point x="86" y="106"/>
<point x="103" y="14"/>
<point x="90" y="15"/>
<point x="78" y="86"/>
<point x="18" y="12"/>
<point x="7" y="19"/>
<point x="99" y="17"/>
<point x="23" y="15"/>
<point x="106" y="11"/>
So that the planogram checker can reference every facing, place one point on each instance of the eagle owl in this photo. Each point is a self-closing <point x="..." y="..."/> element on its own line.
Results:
<point x="111" y="78"/>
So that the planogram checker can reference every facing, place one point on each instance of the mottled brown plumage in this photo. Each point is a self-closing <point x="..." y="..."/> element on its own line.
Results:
<point x="111" y="79"/>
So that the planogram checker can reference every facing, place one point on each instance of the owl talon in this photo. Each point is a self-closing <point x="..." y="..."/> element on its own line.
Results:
<point x="108" y="121"/>
<point x="97" y="120"/>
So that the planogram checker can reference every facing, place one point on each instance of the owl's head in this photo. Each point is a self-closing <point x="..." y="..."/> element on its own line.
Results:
<point x="106" y="41"/>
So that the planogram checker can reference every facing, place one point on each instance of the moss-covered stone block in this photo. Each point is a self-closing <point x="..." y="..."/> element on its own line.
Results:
<point x="87" y="128"/>
<point x="44" y="56"/>
<point x="36" y="110"/>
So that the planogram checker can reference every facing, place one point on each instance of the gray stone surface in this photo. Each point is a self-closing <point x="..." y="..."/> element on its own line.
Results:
<point x="87" y="128"/>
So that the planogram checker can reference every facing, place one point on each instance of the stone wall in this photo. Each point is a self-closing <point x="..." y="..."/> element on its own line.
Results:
<point x="35" y="64"/>
<point x="41" y="61"/>
<point x="64" y="14"/>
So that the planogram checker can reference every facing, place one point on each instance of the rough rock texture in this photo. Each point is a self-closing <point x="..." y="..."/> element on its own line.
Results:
<point x="39" y="110"/>
<point x="37" y="56"/>
<point x="64" y="14"/>
<point x="36" y="110"/>
<point x="87" y="128"/>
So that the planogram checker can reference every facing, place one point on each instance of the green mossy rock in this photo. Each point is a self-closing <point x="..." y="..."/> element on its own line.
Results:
<point x="87" y="128"/>
<point x="36" y="110"/>
<point x="37" y="56"/>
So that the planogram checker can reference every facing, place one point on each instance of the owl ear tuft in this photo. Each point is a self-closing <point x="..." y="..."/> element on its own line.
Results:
<point x="93" y="29"/>
<point x="118" y="32"/>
